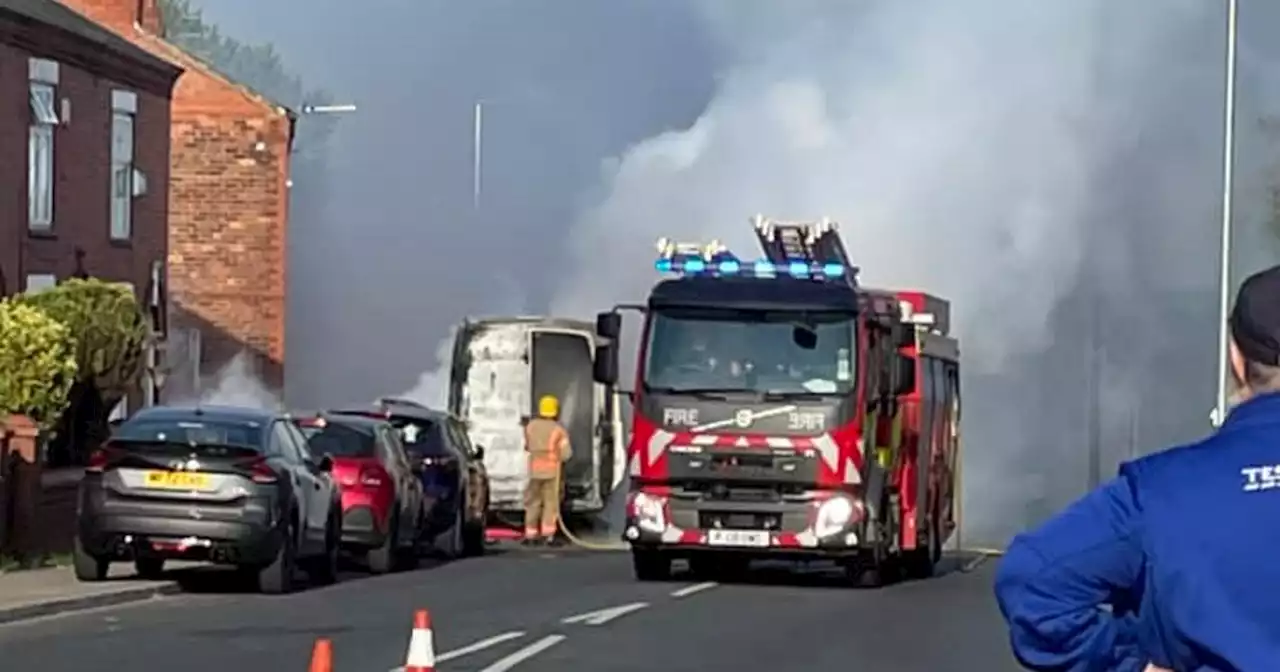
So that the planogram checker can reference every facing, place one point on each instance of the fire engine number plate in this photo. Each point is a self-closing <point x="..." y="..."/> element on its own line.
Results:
<point x="751" y="538"/>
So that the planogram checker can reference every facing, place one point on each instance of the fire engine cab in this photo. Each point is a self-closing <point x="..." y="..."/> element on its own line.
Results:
<point x="781" y="410"/>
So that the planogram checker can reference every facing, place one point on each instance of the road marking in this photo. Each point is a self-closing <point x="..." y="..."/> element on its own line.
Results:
<point x="695" y="588"/>
<point x="525" y="654"/>
<point x="602" y="616"/>
<point x="474" y="647"/>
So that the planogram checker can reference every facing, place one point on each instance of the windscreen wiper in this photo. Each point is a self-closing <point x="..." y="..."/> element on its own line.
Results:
<point x="705" y="392"/>
<point x="778" y="395"/>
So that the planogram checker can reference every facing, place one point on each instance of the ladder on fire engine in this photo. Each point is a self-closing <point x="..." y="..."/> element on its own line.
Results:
<point x="808" y="242"/>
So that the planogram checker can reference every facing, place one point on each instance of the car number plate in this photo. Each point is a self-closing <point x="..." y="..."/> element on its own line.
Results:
<point x="176" y="480"/>
<point x="751" y="538"/>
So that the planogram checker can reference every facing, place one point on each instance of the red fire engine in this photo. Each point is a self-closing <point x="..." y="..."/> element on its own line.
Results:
<point x="782" y="410"/>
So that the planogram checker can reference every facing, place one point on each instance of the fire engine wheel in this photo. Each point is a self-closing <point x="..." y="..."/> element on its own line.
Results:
<point x="651" y="565"/>
<point x="922" y="563"/>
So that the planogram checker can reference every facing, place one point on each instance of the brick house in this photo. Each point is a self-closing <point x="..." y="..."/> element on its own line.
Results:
<point x="88" y="196"/>
<point x="228" y="209"/>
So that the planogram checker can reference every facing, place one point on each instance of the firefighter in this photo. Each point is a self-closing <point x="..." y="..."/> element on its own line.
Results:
<point x="547" y="443"/>
<point x="1170" y="565"/>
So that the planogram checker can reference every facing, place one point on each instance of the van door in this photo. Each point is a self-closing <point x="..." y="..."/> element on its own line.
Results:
<point x="561" y="366"/>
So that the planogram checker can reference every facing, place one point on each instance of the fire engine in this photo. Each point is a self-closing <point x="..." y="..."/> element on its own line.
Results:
<point x="782" y="410"/>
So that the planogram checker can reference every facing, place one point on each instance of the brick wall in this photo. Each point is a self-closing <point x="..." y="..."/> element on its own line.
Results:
<point x="226" y="232"/>
<point x="82" y="172"/>
<point x="227" y="203"/>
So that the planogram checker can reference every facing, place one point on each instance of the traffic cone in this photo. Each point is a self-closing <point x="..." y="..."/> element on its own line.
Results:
<point x="322" y="656"/>
<point x="422" y="649"/>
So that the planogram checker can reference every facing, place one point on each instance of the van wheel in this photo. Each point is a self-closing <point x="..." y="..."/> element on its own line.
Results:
<point x="149" y="568"/>
<point x="88" y="567"/>
<point x="277" y="577"/>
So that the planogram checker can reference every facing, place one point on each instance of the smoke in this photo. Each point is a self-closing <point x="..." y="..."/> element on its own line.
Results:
<point x="236" y="384"/>
<point x="969" y="149"/>
<point x="432" y="388"/>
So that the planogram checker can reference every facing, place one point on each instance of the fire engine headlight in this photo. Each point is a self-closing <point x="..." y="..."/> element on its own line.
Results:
<point x="649" y="513"/>
<point x="833" y="516"/>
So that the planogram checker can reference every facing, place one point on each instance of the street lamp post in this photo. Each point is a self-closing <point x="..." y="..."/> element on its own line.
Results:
<point x="1228" y="166"/>
<point x="477" y="132"/>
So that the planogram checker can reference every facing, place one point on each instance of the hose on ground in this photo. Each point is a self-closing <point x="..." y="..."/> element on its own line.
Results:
<point x="568" y="534"/>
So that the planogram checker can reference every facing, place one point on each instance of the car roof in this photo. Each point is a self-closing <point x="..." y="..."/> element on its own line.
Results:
<point x="362" y="422"/>
<point x="213" y="412"/>
<point x="398" y="410"/>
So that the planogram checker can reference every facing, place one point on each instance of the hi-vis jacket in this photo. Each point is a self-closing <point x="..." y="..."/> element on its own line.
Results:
<point x="1183" y="546"/>
<point x="548" y="445"/>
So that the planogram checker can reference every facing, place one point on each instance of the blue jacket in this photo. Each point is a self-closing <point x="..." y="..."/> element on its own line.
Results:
<point x="1175" y="562"/>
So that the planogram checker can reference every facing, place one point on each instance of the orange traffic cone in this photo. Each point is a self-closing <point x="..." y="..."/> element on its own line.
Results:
<point x="322" y="656"/>
<point x="422" y="650"/>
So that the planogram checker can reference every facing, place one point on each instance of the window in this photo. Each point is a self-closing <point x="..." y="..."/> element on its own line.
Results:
<point x="730" y="350"/>
<point x="40" y="281"/>
<point x="124" y="106"/>
<point x="44" y="119"/>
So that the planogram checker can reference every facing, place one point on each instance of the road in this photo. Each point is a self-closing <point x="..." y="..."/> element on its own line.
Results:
<point x="520" y="606"/>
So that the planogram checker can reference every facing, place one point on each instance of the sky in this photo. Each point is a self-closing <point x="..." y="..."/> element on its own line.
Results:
<point x="1053" y="168"/>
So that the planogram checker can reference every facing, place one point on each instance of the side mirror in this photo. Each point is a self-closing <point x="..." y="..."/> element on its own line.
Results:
<point x="325" y="464"/>
<point x="906" y="335"/>
<point x="609" y="325"/>
<point x="606" y="364"/>
<point x="905" y="380"/>
<point x="479" y="452"/>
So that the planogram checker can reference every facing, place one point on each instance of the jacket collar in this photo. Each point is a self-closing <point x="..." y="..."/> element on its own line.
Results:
<point x="1262" y="407"/>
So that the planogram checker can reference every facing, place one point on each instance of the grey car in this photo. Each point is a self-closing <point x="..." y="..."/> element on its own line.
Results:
<point x="227" y="485"/>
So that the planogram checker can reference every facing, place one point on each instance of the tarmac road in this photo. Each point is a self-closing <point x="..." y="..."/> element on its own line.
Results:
<point x="516" y="611"/>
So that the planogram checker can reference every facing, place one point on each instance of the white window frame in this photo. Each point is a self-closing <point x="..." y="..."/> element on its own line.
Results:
<point x="124" y="111"/>
<point x="41" y="178"/>
<point x="38" y="282"/>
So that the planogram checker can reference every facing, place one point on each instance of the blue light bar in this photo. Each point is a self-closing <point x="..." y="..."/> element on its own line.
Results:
<point x="763" y="268"/>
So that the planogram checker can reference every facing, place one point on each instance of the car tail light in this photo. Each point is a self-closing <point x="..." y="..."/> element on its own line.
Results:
<point x="260" y="471"/>
<point x="373" y="477"/>
<point x="98" y="460"/>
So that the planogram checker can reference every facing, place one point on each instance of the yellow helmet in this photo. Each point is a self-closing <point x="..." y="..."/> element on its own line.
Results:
<point x="548" y="406"/>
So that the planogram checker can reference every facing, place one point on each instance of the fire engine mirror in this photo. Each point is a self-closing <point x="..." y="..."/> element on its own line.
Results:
<point x="804" y="337"/>
<point x="609" y="324"/>
<point x="906" y="378"/>
<point x="605" y="370"/>
<point x="906" y="336"/>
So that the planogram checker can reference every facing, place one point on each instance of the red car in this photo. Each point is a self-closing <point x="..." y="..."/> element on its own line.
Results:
<point x="382" y="500"/>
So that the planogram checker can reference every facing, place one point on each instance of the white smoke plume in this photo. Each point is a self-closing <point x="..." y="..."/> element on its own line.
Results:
<point x="236" y="384"/>
<point x="432" y="388"/>
<point x="960" y="146"/>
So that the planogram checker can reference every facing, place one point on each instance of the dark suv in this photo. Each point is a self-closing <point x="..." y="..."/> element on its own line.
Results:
<point x="454" y="481"/>
<point x="227" y="485"/>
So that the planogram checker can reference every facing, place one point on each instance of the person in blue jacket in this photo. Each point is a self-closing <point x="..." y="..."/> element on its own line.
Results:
<point x="1174" y="564"/>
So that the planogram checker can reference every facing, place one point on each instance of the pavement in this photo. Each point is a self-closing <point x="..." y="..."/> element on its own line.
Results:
<point x="536" y="611"/>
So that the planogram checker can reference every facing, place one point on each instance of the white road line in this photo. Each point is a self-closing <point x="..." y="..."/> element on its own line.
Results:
<point x="474" y="647"/>
<point x="525" y="654"/>
<point x="695" y="588"/>
<point x="602" y="616"/>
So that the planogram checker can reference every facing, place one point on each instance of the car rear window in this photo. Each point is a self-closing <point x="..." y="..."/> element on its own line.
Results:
<point x="420" y="437"/>
<point x="193" y="430"/>
<point x="339" y="440"/>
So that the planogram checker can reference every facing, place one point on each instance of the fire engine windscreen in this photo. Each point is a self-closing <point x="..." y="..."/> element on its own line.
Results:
<point x="772" y="352"/>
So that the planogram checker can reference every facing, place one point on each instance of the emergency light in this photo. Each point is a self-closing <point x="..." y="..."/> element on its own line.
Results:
<point x="687" y="265"/>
